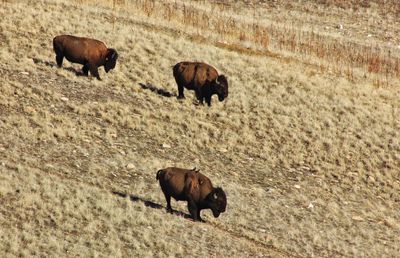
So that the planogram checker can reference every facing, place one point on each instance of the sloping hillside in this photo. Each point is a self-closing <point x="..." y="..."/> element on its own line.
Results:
<point x="310" y="162"/>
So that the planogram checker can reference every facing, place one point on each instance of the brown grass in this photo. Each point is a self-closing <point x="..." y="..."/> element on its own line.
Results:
<point x="309" y="159"/>
<point x="251" y="29"/>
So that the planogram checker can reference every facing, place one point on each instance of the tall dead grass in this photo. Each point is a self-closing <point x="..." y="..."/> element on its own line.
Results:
<point x="340" y="55"/>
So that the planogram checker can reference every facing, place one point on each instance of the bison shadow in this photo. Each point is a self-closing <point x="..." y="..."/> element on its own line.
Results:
<point x="159" y="91"/>
<point x="151" y="204"/>
<point x="52" y="64"/>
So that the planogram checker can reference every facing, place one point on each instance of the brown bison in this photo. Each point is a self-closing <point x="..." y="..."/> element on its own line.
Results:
<point x="193" y="187"/>
<point x="91" y="53"/>
<point x="202" y="78"/>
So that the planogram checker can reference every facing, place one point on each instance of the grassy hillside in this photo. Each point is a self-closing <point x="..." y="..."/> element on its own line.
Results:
<point x="309" y="160"/>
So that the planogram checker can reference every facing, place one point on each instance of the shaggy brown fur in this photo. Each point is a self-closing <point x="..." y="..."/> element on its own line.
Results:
<point x="193" y="187"/>
<point x="202" y="78"/>
<point x="91" y="53"/>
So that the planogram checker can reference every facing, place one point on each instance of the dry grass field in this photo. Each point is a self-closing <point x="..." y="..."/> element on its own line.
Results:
<point x="308" y="154"/>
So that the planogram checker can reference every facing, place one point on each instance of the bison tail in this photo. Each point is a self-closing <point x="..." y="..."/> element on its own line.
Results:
<point x="159" y="174"/>
<point x="177" y="70"/>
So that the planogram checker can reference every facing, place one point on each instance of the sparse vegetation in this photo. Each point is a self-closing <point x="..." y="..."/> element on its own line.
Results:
<point x="309" y="159"/>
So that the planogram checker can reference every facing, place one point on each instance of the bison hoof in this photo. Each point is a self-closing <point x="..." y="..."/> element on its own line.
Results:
<point x="169" y="210"/>
<point x="180" y="97"/>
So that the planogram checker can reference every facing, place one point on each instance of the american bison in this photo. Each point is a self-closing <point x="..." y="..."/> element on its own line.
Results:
<point x="193" y="187"/>
<point x="91" y="53"/>
<point x="202" y="78"/>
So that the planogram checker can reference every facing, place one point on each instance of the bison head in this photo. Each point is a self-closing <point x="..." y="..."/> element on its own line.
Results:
<point x="221" y="87"/>
<point x="216" y="200"/>
<point x="111" y="59"/>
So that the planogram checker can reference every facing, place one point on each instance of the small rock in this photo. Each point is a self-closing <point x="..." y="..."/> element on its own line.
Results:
<point x="371" y="179"/>
<point x="339" y="26"/>
<point x="24" y="73"/>
<point x="130" y="166"/>
<point x="223" y="150"/>
<point x="113" y="174"/>
<point x="65" y="99"/>
<point x="297" y="186"/>
<point x="310" y="206"/>
<point x="357" y="218"/>
<point x="166" y="146"/>
<point x="369" y="35"/>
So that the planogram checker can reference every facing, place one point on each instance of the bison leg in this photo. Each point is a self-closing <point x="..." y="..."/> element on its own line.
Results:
<point x="199" y="95"/>
<point x="198" y="216"/>
<point x="85" y="69"/>
<point x="94" y="71"/>
<point x="208" y="100"/>
<point x="180" y="92"/>
<point x="59" y="59"/>
<point x="194" y="211"/>
<point x="168" y="199"/>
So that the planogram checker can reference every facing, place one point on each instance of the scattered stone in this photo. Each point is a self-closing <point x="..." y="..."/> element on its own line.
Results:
<point x="357" y="218"/>
<point x="166" y="146"/>
<point x="339" y="26"/>
<point x="371" y="179"/>
<point x="223" y="150"/>
<point x="65" y="99"/>
<point x="297" y="186"/>
<point x="24" y="73"/>
<point x="390" y="223"/>
<point x="310" y="206"/>
<point x="130" y="166"/>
